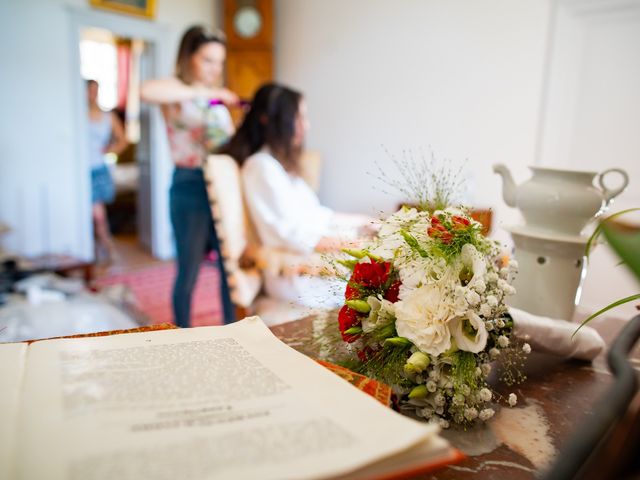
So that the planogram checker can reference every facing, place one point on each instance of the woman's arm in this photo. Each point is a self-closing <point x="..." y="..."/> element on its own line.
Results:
<point x="118" y="139"/>
<point x="172" y="90"/>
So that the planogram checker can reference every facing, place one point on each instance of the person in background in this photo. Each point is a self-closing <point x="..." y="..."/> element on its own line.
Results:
<point x="284" y="209"/>
<point x="194" y="128"/>
<point x="106" y="136"/>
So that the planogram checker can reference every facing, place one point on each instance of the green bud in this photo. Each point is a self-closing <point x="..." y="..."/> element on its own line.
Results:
<point x="418" y="392"/>
<point x="397" y="341"/>
<point x="385" y="332"/>
<point x="375" y="258"/>
<point x="359" y="305"/>
<point x="419" y="361"/>
<point x="355" y="253"/>
<point x="353" y="331"/>
<point x="350" y="264"/>
<point x="410" y="369"/>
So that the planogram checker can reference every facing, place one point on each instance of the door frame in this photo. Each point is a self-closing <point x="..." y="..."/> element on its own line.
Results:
<point x="156" y="34"/>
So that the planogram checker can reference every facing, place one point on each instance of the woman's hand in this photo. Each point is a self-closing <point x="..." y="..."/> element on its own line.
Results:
<point x="171" y="90"/>
<point x="225" y="95"/>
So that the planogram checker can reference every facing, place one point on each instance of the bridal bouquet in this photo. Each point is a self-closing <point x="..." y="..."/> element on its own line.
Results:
<point x="424" y="312"/>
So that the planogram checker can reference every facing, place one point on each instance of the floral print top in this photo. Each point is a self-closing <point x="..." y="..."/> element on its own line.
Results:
<point x="195" y="129"/>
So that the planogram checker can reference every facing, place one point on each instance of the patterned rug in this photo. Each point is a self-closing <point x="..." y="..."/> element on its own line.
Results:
<point x="151" y="287"/>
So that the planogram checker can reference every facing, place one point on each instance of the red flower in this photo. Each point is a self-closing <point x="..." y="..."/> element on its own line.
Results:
<point x="371" y="275"/>
<point x="439" y="231"/>
<point x="366" y="354"/>
<point x="348" y="318"/>
<point x="393" y="291"/>
<point x="351" y="292"/>
<point x="462" y="220"/>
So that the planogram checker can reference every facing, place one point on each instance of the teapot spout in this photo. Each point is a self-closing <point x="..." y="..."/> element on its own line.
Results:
<point x="508" y="185"/>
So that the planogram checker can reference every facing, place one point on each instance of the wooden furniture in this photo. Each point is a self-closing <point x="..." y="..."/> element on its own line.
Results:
<point x="244" y="258"/>
<point x="249" y="28"/>
<point x="63" y="265"/>
<point x="565" y="392"/>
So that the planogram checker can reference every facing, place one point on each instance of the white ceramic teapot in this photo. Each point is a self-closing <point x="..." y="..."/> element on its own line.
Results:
<point x="559" y="201"/>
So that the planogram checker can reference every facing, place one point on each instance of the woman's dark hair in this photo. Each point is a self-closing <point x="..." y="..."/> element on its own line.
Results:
<point x="191" y="41"/>
<point x="270" y="121"/>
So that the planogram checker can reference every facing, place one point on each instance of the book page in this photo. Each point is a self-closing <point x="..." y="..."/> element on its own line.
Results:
<point x="12" y="357"/>
<point x="210" y="402"/>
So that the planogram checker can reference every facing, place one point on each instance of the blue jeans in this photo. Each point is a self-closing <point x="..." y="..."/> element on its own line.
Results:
<point x="195" y="236"/>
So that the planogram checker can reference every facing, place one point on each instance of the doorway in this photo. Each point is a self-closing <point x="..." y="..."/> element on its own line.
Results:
<point x="116" y="64"/>
<point x="120" y="52"/>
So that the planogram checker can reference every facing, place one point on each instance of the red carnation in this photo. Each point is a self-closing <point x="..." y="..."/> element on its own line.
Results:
<point x="393" y="292"/>
<point x="460" y="222"/>
<point x="351" y="292"/>
<point x="439" y="231"/>
<point x="371" y="275"/>
<point x="348" y="318"/>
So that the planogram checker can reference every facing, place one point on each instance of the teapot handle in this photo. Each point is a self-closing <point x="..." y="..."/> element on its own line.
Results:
<point x="611" y="193"/>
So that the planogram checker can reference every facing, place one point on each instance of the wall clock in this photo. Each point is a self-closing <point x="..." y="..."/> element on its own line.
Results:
<point x="247" y="22"/>
<point x="249" y="28"/>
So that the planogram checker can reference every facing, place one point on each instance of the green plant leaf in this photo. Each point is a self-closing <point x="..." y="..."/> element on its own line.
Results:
<point x="626" y="245"/>
<point x="596" y="233"/>
<point x="615" y="304"/>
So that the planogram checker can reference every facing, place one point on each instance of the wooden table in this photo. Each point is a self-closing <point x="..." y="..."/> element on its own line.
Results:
<point x="561" y="393"/>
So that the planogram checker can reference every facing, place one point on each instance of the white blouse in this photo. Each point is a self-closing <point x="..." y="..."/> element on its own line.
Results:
<point x="285" y="210"/>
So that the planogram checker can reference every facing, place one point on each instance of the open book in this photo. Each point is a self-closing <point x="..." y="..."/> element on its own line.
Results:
<point x="202" y="403"/>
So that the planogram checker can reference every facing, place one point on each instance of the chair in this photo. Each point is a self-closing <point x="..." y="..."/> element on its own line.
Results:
<point x="243" y="257"/>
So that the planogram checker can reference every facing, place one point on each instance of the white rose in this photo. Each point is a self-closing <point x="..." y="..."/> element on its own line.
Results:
<point x="513" y="400"/>
<point x="381" y="314"/>
<point x="422" y="317"/>
<point x="469" y="332"/>
<point x="473" y="260"/>
<point x="485" y="310"/>
<point x="413" y="273"/>
<point x="492" y="301"/>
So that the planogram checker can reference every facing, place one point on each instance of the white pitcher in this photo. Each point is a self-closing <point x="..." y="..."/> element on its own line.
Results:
<point x="560" y="201"/>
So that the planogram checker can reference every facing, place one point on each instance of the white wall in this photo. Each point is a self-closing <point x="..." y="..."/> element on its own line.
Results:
<point x="463" y="76"/>
<point x="591" y="118"/>
<point x="38" y="174"/>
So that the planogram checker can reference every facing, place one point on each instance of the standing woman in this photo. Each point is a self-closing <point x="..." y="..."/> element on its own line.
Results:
<point x="106" y="135"/>
<point x="194" y="128"/>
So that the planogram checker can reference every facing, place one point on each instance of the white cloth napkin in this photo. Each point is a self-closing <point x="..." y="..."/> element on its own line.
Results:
<point x="551" y="335"/>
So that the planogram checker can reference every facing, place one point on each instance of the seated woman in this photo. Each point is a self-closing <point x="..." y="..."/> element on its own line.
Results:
<point x="284" y="209"/>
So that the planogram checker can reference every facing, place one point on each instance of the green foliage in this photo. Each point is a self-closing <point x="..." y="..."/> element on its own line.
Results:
<point x="627" y="246"/>
<point x="464" y="370"/>
<point x="413" y="243"/>
<point x="599" y="229"/>
<point x="387" y="364"/>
